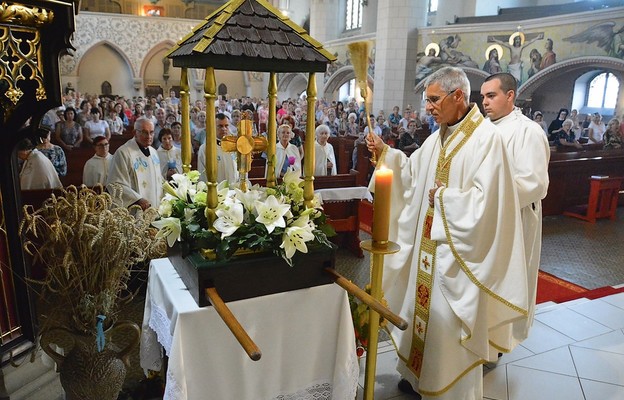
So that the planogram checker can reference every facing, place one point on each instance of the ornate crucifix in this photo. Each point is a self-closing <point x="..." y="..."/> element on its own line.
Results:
<point x="244" y="144"/>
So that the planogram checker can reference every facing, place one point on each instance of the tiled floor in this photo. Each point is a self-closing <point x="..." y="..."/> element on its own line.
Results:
<point x="575" y="352"/>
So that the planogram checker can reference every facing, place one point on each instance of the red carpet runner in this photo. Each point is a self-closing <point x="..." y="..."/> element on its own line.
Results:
<point x="551" y="288"/>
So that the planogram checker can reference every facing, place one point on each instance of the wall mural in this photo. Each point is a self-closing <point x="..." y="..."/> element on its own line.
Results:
<point x="523" y="53"/>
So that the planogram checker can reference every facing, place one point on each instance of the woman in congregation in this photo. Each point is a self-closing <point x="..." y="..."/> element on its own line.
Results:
<point x="68" y="133"/>
<point x="170" y="156"/>
<point x="538" y="117"/>
<point x="612" y="137"/>
<point x="566" y="137"/>
<point x="596" y="129"/>
<point x="37" y="171"/>
<point x="53" y="152"/>
<point x="286" y="153"/>
<point x="96" y="127"/>
<point x="325" y="158"/>
<point x="95" y="170"/>
<point x="114" y="121"/>
<point x="352" y="128"/>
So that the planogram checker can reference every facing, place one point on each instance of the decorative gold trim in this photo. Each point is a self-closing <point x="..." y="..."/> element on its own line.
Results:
<point x="17" y="65"/>
<point x="25" y="16"/>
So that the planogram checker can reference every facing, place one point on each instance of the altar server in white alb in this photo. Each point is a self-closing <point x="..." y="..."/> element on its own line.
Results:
<point x="96" y="168"/>
<point x="226" y="162"/>
<point x="461" y="270"/>
<point x="529" y="152"/>
<point x="286" y="152"/>
<point x="37" y="171"/>
<point x="136" y="168"/>
<point x="324" y="157"/>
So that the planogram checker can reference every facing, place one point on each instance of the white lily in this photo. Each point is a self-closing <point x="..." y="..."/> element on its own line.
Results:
<point x="271" y="213"/>
<point x="169" y="228"/>
<point x="248" y="198"/>
<point x="229" y="218"/>
<point x="182" y="186"/>
<point x="296" y="236"/>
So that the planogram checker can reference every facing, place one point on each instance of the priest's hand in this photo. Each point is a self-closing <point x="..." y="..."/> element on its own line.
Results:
<point x="143" y="203"/>
<point x="374" y="144"/>
<point x="438" y="184"/>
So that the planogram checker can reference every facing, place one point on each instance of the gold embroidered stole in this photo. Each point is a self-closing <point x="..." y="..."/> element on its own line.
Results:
<point x="427" y="250"/>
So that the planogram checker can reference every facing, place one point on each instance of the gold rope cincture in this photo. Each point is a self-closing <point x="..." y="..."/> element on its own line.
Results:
<point x="427" y="250"/>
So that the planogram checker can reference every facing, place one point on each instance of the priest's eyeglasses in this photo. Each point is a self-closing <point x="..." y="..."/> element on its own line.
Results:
<point x="435" y="100"/>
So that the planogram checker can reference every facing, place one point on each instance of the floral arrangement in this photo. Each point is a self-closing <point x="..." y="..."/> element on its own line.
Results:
<point x="87" y="244"/>
<point x="361" y="314"/>
<point x="264" y="219"/>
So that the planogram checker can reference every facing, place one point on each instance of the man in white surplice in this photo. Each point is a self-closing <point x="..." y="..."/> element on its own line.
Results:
<point x="460" y="272"/>
<point x="136" y="168"/>
<point x="529" y="153"/>
<point x="226" y="163"/>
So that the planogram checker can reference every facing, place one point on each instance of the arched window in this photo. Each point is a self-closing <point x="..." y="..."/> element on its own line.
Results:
<point x="353" y="15"/>
<point x="602" y="91"/>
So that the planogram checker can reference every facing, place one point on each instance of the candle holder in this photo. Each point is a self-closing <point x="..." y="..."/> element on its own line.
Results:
<point x="378" y="249"/>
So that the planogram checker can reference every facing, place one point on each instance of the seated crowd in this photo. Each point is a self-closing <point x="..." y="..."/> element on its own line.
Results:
<point x="92" y="121"/>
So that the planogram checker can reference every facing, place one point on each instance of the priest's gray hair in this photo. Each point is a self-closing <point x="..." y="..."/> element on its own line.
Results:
<point x="449" y="79"/>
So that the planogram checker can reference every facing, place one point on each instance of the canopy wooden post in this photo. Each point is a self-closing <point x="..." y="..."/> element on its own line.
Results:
<point x="308" y="160"/>
<point x="271" y="131"/>
<point x="210" y="89"/>
<point x="186" y="125"/>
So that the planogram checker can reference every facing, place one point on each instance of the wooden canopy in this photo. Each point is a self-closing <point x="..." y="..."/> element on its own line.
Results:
<point x="250" y="35"/>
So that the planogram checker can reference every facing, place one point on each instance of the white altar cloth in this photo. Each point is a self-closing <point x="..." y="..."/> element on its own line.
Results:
<point x="344" y="194"/>
<point x="306" y="338"/>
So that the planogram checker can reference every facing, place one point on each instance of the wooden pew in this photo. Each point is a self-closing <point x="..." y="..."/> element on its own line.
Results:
<point x="569" y="174"/>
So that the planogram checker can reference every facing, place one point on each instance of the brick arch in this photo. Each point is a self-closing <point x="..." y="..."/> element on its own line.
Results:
<point x="158" y="47"/>
<point x="113" y="47"/>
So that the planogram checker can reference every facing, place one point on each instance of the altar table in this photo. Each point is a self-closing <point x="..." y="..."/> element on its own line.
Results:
<point x="306" y="338"/>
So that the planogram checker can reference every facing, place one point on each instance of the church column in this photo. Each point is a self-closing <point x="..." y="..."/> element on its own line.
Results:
<point x="395" y="53"/>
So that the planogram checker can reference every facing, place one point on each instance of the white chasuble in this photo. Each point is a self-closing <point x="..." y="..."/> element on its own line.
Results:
<point x="460" y="272"/>
<point x="529" y="152"/>
<point x="138" y="175"/>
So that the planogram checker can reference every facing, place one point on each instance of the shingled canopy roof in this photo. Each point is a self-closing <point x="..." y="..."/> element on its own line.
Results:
<point x="250" y="35"/>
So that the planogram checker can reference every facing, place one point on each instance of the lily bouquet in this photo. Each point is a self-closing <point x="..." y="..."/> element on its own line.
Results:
<point x="259" y="219"/>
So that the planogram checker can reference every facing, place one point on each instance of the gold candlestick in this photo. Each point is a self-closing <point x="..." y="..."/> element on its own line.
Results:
<point x="378" y="252"/>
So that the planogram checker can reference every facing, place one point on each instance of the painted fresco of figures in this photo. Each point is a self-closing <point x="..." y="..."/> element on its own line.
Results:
<point x="516" y="44"/>
<point x="549" y="57"/>
<point x="605" y="36"/>
<point x="492" y="62"/>
<point x="536" y="62"/>
<point x="426" y="64"/>
<point x="450" y="55"/>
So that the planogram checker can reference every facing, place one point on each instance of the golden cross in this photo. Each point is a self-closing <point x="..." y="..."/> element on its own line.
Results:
<point x="244" y="144"/>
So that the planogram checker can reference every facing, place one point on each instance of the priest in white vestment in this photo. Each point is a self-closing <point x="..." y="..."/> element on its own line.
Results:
<point x="136" y="168"/>
<point x="286" y="154"/>
<point x="226" y="162"/>
<point x="324" y="157"/>
<point x="529" y="152"/>
<point x="37" y="170"/>
<point x="460" y="272"/>
<point x="95" y="170"/>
